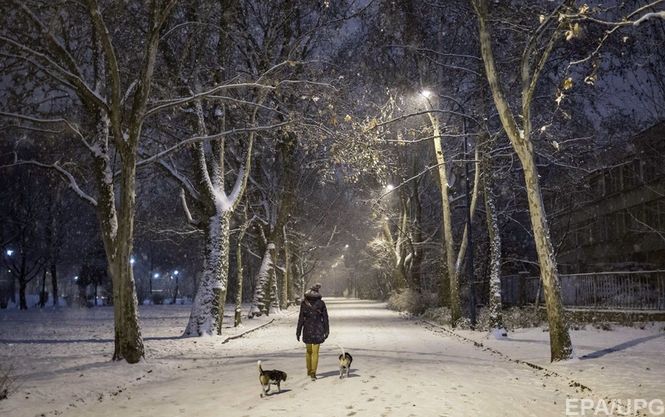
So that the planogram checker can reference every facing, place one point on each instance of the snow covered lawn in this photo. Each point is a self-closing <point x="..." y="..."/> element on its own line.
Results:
<point x="401" y="367"/>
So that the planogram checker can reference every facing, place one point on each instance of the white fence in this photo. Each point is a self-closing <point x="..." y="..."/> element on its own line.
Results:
<point x="628" y="290"/>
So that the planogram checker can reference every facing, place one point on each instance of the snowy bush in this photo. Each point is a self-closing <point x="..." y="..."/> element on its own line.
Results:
<point x="439" y="315"/>
<point x="409" y="301"/>
<point x="513" y="318"/>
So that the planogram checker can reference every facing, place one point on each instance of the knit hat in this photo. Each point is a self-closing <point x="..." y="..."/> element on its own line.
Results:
<point x="313" y="292"/>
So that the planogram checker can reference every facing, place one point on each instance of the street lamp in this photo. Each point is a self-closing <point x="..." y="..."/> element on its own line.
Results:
<point x="154" y="276"/>
<point x="9" y="253"/>
<point x="175" y="292"/>
<point x="430" y="97"/>
<point x="469" y="240"/>
<point x="432" y="114"/>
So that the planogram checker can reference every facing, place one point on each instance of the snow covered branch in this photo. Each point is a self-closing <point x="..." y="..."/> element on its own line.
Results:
<point x="205" y="138"/>
<point x="185" y="207"/>
<point x="53" y="70"/>
<point x="168" y="104"/>
<point x="70" y="180"/>
<point x="649" y="16"/>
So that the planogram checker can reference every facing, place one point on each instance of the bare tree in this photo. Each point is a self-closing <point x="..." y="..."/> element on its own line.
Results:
<point x="534" y="57"/>
<point x="111" y="87"/>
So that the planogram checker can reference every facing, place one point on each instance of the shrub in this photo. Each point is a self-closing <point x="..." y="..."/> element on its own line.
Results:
<point x="512" y="318"/>
<point x="410" y="301"/>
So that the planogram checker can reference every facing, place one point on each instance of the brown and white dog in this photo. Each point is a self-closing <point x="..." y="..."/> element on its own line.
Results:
<point x="345" y="360"/>
<point x="270" y="377"/>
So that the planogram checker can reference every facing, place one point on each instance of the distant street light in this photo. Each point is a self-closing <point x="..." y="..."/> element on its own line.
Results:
<point x="9" y="253"/>
<point x="154" y="276"/>
<point x="175" y="291"/>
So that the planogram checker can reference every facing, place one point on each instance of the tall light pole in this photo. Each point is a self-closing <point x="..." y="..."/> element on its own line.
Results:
<point x="469" y="240"/>
<point x="455" y="308"/>
<point x="440" y="161"/>
<point x="175" y="292"/>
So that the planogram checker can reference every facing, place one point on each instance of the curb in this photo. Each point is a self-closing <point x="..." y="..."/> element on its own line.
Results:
<point x="548" y="372"/>
<point x="239" y="335"/>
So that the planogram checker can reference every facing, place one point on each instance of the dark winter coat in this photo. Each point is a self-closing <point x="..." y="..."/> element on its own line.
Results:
<point x="313" y="319"/>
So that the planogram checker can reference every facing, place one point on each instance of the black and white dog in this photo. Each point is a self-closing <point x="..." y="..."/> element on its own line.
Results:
<point x="270" y="377"/>
<point x="345" y="360"/>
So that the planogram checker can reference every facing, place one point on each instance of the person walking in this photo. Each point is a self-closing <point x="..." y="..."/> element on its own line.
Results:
<point x="314" y="327"/>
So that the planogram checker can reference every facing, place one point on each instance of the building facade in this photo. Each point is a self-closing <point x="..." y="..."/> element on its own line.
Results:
<point x="618" y="222"/>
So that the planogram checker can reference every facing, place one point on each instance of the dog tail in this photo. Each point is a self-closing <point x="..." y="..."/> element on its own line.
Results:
<point x="341" y="348"/>
<point x="258" y="363"/>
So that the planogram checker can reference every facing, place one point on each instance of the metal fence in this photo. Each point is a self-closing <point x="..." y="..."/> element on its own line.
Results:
<point x="628" y="290"/>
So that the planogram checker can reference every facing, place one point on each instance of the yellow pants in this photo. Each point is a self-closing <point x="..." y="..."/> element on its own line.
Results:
<point x="312" y="358"/>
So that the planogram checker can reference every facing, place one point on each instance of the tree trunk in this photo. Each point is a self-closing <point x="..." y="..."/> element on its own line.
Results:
<point x="128" y="339"/>
<point x="274" y="292"/>
<point x="53" y="241"/>
<point x="397" y="277"/>
<point x="54" y="284"/>
<point x="287" y="290"/>
<point x="208" y="309"/>
<point x="560" y="344"/>
<point x="286" y="203"/>
<point x="417" y="238"/>
<point x="494" y="234"/>
<point x="22" y="301"/>
<point x="239" y="268"/>
<point x="261" y="301"/>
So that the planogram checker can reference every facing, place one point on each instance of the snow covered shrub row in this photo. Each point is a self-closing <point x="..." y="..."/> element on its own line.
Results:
<point x="513" y="318"/>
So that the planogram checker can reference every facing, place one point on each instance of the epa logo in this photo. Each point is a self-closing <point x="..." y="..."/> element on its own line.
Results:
<point x="614" y="407"/>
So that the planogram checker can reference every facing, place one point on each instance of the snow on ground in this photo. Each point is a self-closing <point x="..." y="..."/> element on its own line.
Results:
<point x="402" y="367"/>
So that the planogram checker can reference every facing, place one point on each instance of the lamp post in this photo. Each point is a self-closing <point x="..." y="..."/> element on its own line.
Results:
<point x="154" y="276"/>
<point x="447" y="232"/>
<point x="12" y="270"/>
<point x="455" y="308"/>
<point x="469" y="240"/>
<point x="175" y="292"/>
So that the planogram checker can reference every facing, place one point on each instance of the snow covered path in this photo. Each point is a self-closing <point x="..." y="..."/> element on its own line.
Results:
<point x="401" y="367"/>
